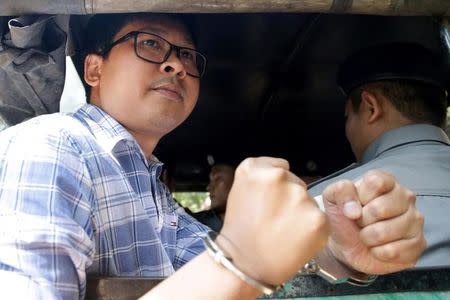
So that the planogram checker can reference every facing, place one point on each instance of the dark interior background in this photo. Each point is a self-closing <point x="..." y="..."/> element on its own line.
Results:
<point x="270" y="89"/>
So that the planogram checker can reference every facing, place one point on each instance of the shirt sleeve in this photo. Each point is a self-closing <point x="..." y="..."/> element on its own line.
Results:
<point x="45" y="233"/>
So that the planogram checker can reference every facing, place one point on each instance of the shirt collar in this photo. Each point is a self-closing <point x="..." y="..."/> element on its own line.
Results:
<point x="404" y="134"/>
<point x="108" y="132"/>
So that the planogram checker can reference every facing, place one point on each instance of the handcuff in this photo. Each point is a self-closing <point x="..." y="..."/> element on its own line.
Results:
<point x="219" y="256"/>
<point x="336" y="273"/>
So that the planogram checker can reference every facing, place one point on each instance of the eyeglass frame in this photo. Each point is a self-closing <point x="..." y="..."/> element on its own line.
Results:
<point x="135" y="33"/>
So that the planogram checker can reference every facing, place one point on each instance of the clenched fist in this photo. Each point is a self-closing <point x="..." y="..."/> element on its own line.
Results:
<point x="375" y="225"/>
<point x="272" y="225"/>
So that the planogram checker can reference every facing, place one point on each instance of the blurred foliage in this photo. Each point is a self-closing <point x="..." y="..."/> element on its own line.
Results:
<point x="191" y="200"/>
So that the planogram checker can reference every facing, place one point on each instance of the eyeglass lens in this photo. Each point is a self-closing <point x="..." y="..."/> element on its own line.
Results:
<point x="153" y="48"/>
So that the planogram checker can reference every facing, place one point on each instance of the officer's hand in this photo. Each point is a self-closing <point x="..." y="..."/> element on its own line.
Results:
<point x="375" y="226"/>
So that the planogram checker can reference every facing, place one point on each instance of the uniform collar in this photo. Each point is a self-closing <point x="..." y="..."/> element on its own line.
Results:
<point x="404" y="135"/>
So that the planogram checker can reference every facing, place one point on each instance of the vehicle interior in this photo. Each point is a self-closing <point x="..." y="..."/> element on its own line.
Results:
<point x="269" y="89"/>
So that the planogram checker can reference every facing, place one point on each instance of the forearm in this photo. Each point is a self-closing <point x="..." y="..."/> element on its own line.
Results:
<point x="203" y="278"/>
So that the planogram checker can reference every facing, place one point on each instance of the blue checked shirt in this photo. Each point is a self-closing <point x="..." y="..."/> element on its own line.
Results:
<point x="78" y="197"/>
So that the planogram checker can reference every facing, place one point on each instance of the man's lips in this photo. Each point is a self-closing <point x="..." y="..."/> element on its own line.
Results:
<point x="169" y="92"/>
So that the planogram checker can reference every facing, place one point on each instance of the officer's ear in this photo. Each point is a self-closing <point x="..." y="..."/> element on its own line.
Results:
<point x="93" y="69"/>
<point x="371" y="106"/>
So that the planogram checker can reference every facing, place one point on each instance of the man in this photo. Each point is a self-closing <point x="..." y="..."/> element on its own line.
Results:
<point x="395" y="113"/>
<point x="80" y="194"/>
<point x="221" y="178"/>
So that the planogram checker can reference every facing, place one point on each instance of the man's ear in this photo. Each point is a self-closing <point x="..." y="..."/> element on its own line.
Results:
<point x="93" y="69"/>
<point x="371" y="104"/>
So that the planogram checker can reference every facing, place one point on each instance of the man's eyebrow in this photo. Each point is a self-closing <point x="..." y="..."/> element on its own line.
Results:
<point x="160" y="31"/>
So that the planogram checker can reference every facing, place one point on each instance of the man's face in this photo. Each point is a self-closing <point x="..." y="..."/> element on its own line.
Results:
<point x="354" y="129"/>
<point x="148" y="99"/>
<point x="220" y="182"/>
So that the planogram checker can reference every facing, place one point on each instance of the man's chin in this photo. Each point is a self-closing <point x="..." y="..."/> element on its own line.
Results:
<point x="164" y="124"/>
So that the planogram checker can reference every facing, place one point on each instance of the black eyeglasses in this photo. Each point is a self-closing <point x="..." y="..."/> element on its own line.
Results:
<point x="155" y="49"/>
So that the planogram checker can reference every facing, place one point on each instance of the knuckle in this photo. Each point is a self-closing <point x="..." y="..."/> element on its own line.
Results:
<point x="284" y="162"/>
<point x="411" y="196"/>
<point x="378" y="211"/>
<point x="300" y="192"/>
<point x="319" y="222"/>
<point x="385" y="176"/>
<point x="389" y="252"/>
<point x="423" y="244"/>
<point x="419" y="244"/>
<point x="244" y="166"/>
<point x="374" y="181"/>
<point x="277" y="175"/>
<point x="419" y="241"/>
<point x="378" y="234"/>
<point x="420" y="218"/>
<point x="338" y="190"/>
<point x="342" y="185"/>
<point x="249" y="163"/>
<point x="375" y="172"/>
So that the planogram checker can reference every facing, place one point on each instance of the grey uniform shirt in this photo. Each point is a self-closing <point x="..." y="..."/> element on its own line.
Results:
<point x="419" y="157"/>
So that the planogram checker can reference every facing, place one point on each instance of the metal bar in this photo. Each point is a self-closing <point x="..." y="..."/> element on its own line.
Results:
<point x="118" y="288"/>
<point x="374" y="7"/>
<point x="420" y="280"/>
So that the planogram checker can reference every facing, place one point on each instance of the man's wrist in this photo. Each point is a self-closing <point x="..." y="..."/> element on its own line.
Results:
<point x="230" y="280"/>
<point x="245" y="259"/>
<point x="222" y="257"/>
<point x="327" y="266"/>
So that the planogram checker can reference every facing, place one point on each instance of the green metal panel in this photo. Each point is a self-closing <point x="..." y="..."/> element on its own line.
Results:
<point x="429" y="284"/>
<point x="412" y="284"/>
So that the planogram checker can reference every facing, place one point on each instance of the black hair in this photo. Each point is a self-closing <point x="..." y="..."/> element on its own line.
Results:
<point x="420" y="102"/>
<point x="102" y="28"/>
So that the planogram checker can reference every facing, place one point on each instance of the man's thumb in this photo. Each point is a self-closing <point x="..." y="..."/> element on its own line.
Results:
<point x="344" y="194"/>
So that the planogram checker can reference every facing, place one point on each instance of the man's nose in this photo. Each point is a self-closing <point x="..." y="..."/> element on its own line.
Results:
<point x="173" y="66"/>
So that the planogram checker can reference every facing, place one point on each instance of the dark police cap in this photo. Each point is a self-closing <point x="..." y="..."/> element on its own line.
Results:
<point x="401" y="61"/>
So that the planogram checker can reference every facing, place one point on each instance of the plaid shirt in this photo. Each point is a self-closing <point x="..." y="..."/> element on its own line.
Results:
<point x="78" y="197"/>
